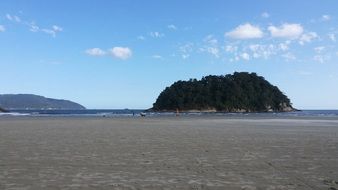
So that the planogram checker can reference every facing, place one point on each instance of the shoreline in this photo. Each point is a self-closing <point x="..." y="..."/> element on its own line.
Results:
<point x="307" y="114"/>
<point x="224" y="111"/>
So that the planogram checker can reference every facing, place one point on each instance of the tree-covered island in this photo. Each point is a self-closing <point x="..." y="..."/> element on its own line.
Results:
<point x="238" y="92"/>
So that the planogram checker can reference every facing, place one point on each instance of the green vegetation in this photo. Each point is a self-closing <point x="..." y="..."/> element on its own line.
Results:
<point x="240" y="92"/>
<point x="30" y="101"/>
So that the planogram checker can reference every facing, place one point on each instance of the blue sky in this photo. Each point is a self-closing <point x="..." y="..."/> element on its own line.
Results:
<point x="122" y="54"/>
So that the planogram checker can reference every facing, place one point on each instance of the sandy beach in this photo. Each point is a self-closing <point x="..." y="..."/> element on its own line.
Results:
<point x="168" y="153"/>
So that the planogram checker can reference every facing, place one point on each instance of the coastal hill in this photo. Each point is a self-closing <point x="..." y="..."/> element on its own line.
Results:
<point x="239" y="92"/>
<point x="2" y="110"/>
<point x="30" y="101"/>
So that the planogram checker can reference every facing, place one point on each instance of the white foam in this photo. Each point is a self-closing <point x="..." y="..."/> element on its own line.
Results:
<point x="13" y="114"/>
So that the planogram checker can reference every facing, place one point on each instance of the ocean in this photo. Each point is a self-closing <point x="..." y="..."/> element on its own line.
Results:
<point x="137" y="113"/>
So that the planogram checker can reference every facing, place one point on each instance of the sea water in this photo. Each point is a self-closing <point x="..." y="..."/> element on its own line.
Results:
<point x="137" y="112"/>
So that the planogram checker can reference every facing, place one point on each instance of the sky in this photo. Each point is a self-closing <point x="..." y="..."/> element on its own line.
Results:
<point x="123" y="53"/>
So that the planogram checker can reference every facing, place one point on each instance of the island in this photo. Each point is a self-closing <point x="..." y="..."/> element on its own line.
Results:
<point x="237" y="92"/>
<point x="34" y="102"/>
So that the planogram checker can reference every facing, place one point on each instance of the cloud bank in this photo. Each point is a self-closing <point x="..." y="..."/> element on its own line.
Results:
<point x="33" y="27"/>
<point x="122" y="53"/>
<point x="245" y="31"/>
<point x="95" y="52"/>
<point x="290" y="31"/>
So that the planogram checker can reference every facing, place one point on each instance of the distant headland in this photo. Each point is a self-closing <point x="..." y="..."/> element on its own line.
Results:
<point x="31" y="102"/>
<point x="238" y="92"/>
<point x="2" y="110"/>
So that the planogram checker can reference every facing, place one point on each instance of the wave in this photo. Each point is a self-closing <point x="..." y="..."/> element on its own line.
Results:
<point x="137" y="113"/>
<point x="14" y="114"/>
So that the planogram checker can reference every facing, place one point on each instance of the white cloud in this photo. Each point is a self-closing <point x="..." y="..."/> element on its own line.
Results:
<point x="141" y="37"/>
<point x="284" y="46"/>
<point x="53" y="31"/>
<point x="245" y="31"/>
<point x="289" y="56"/>
<point x="231" y="49"/>
<point x="49" y="31"/>
<point x="185" y="56"/>
<point x="186" y="50"/>
<point x="319" y="58"/>
<point x="211" y="46"/>
<point x="236" y="58"/>
<point x="262" y="50"/>
<point x="13" y="18"/>
<point x="326" y="17"/>
<point x="245" y="56"/>
<point x="2" y="28"/>
<point x="265" y="15"/>
<point x="323" y="18"/>
<point x="95" y="52"/>
<point x="121" y="52"/>
<point x="290" y="31"/>
<point x="157" y="57"/>
<point x="156" y="34"/>
<point x="9" y="17"/>
<point x="321" y="54"/>
<point x="332" y="37"/>
<point x="255" y="48"/>
<point x="259" y="51"/>
<point x="211" y="40"/>
<point x="117" y="52"/>
<point x="307" y="37"/>
<point x="213" y="51"/>
<point x="17" y="19"/>
<point x="319" y="49"/>
<point x="33" y="27"/>
<point x="57" y="28"/>
<point x="172" y="27"/>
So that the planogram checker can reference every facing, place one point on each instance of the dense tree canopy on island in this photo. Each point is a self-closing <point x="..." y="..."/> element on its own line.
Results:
<point x="239" y="92"/>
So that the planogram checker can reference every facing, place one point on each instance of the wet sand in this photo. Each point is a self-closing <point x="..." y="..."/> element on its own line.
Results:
<point x="168" y="153"/>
